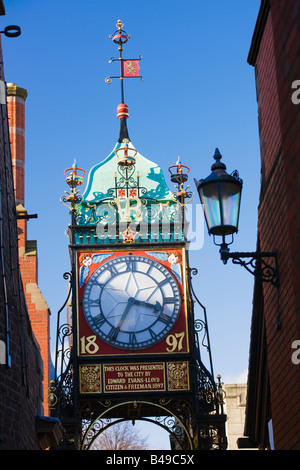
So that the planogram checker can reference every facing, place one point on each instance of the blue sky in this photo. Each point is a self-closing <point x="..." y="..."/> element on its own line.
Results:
<point x="198" y="93"/>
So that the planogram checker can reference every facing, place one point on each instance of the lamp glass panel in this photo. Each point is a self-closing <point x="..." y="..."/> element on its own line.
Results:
<point x="211" y="205"/>
<point x="230" y="194"/>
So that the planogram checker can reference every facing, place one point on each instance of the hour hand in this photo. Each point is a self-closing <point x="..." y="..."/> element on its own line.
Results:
<point x="156" y="307"/>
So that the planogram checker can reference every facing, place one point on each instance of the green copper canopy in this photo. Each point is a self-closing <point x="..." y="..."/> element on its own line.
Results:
<point x="102" y="178"/>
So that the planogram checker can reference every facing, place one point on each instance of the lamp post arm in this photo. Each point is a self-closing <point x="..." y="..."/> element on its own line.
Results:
<point x="258" y="263"/>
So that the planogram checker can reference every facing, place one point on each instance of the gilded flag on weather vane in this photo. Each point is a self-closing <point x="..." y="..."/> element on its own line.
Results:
<point x="129" y="68"/>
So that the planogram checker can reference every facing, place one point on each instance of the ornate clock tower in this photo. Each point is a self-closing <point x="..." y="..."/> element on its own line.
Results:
<point x="132" y="351"/>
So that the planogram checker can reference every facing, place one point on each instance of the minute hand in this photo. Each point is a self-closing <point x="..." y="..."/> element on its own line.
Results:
<point x="130" y="302"/>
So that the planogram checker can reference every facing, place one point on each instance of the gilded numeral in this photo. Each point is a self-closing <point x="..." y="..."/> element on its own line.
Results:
<point x="175" y="342"/>
<point x="88" y="345"/>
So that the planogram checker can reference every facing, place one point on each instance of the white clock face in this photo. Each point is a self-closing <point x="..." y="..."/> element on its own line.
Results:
<point x="131" y="302"/>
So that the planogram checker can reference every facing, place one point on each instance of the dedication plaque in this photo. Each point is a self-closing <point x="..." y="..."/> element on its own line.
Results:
<point x="134" y="377"/>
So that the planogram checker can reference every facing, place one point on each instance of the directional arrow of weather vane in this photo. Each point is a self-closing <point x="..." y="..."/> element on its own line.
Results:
<point x="129" y="68"/>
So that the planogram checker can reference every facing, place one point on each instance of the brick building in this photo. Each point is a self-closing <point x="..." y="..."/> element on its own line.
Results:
<point x="21" y="368"/>
<point x="273" y="409"/>
<point x="38" y="309"/>
<point x="24" y="346"/>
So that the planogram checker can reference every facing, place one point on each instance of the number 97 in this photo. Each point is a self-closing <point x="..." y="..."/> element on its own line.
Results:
<point x="175" y="342"/>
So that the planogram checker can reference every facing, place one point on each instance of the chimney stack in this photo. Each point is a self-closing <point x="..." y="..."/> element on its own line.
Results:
<point x="16" y="97"/>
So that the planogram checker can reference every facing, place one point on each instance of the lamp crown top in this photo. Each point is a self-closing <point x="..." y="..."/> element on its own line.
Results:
<point x="218" y="165"/>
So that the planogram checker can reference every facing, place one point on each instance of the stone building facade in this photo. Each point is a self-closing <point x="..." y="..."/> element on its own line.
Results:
<point x="235" y="406"/>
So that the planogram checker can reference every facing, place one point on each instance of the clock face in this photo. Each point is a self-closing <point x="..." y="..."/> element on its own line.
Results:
<point x="131" y="302"/>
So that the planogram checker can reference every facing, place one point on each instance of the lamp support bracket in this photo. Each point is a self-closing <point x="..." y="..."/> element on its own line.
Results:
<point x="258" y="263"/>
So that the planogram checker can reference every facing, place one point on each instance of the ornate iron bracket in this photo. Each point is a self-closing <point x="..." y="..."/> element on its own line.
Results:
<point x="199" y="324"/>
<point x="61" y="387"/>
<point x="257" y="265"/>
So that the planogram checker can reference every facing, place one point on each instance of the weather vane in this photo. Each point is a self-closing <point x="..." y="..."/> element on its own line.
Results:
<point x="129" y="68"/>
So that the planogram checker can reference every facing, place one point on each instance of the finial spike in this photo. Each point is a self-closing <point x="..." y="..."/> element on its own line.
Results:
<point x="218" y="164"/>
<point x="119" y="24"/>
<point x="217" y="155"/>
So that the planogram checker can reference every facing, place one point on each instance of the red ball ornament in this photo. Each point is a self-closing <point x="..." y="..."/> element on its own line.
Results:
<point x="122" y="110"/>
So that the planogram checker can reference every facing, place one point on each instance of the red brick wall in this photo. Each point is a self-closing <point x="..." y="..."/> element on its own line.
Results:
<point x="37" y="308"/>
<point x="267" y="100"/>
<point x="277" y="66"/>
<point x="21" y="380"/>
<point x="16" y="113"/>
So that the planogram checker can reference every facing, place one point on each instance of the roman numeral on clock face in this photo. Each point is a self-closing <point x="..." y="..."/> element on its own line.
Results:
<point x="163" y="282"/>
<point x="99" y="320"/>
<point x="169" y="300"/>
<point x="94" y="303"/>
<point x="132" y="339"/>
<point x="152" y="334"/>
<point x="164" y="318"/>
<point x="131" y="265"/>
<point x="113" y="270"/>
<point x="112" y="335"/>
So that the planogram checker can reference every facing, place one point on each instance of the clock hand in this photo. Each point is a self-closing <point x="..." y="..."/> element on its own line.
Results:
<point x="128" y="307"/>
<point x="115" y="330"/>
<point x="157" y="307"/>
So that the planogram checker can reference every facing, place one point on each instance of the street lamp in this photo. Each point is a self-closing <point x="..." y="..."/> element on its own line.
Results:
<point x="220" y="195"/>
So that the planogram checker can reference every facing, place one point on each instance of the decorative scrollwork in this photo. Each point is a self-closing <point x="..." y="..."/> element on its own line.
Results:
<point x="128" y="183"/>
<point x="171" y="424"/>
<point x="67" y="275"/>
<point x="63" y="374"/>
<point x="72" y="199"/>
<point x="212" y="437"/>
<point x="193" y="271"/>
<point x="105" y="404"/>
<point x="199" y="325"/>
<point x="206" y="391"/>
<point x="173" y="415"/>
<point x="257" y="265"/>
<point x="206" y="387"/>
